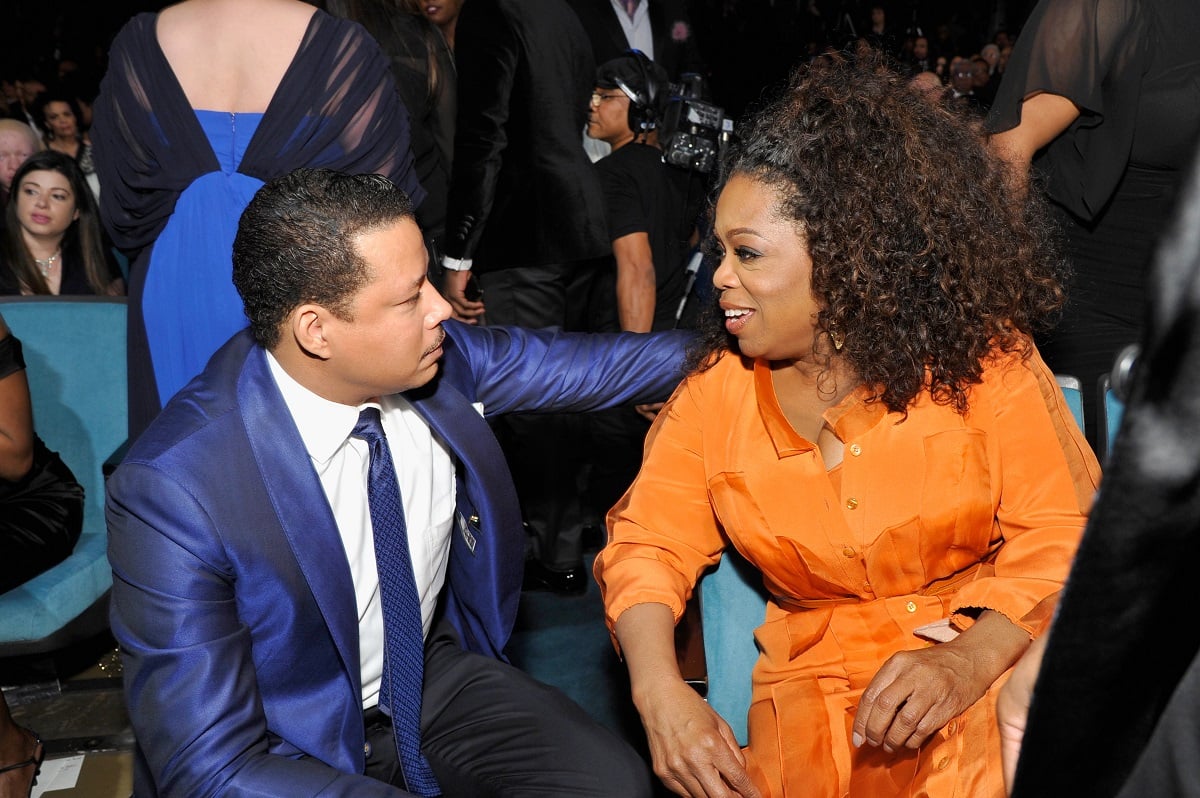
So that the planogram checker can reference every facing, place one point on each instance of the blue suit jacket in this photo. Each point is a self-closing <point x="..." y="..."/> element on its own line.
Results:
<point x="232" y="596"/>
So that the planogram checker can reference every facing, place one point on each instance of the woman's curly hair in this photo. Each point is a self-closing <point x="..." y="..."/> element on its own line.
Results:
<point x="924" y="256"/>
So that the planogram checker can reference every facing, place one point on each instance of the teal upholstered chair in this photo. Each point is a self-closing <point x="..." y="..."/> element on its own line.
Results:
<point x="1073" y="393"/>
<point x="1112" y="409"/>
<point x="75" y="362"/>
<point x="733" y="604"/>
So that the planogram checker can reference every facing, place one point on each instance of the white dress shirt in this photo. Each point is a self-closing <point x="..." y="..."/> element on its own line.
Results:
<point x="637" y="30"/>
<point x="425" y="471"/>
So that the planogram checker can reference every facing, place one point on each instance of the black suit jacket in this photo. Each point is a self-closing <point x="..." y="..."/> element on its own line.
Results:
<point x="675" y="47"/>
<point x="523" y="192"/>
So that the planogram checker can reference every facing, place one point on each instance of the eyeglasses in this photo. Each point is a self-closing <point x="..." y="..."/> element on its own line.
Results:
<point x="598" y="98"/>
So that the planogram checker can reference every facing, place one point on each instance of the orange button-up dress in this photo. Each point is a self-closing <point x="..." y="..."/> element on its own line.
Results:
<point x="930" y="517"/>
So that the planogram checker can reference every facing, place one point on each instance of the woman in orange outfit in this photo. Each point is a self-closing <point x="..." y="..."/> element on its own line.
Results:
<point x="870" y="424"/>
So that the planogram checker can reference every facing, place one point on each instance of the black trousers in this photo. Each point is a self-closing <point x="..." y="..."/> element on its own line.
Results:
<point x="488" y="729"/>
<point x="41" y="518"/>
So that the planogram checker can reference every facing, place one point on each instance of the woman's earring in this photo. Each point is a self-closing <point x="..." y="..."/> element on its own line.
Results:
<point x="838" y="337"/>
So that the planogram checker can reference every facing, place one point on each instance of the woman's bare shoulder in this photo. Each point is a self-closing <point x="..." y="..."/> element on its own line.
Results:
<point x="230" y="55"/>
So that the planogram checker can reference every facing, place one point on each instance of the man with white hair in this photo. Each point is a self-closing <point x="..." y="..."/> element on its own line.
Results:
<point x="17" y="143"/>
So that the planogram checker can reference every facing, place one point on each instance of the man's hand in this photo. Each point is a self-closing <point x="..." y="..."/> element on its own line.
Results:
<point x="650" y="411"/>
<point x="465" y="310"/>
<point x="1012" y="707"/>
<point x="693" y="749"/>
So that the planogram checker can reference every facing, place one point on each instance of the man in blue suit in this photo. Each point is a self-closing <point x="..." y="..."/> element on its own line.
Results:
<point x="246" y="596"/>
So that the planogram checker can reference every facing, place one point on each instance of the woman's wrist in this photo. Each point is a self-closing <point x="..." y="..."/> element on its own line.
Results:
<point x="993" y="644"/>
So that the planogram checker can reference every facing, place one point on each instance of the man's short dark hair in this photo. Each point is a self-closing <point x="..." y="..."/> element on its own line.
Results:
<point x="295" y="243"/>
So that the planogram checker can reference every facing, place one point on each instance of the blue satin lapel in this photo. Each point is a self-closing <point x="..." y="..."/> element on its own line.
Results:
<point x="299" y="503"/>
<point x="484" y="575"/>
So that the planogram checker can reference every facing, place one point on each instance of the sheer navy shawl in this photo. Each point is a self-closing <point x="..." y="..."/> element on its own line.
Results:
<point x="336" y="107"/>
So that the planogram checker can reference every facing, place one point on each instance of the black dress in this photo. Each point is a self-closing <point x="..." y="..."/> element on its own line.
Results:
<point x="428" y="92"/>
<point x="74" y="278"/>
<point x="41" y="514"/>
<point x="1133" y="69"/>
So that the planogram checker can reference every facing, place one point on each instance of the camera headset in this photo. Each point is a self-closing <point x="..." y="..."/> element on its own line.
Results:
<point x="643" y="110"/>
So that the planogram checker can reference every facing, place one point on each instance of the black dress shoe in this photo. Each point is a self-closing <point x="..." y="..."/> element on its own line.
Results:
<point x="539" y="576"/>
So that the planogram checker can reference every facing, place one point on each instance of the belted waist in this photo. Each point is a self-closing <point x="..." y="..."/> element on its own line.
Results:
<point x="949" y="584"/>
<point x="788" y="603"/>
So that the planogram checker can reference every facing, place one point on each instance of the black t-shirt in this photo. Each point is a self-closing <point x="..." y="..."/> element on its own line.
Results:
<point x="644" y="195"/>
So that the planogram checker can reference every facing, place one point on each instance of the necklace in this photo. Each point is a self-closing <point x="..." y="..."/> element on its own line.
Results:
<point x="46" y="264"/>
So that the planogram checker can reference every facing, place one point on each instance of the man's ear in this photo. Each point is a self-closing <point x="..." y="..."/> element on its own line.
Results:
<point x="308" y="326"/>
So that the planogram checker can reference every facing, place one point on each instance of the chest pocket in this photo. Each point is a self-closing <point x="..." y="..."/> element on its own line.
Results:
<point x="955" y="513"/>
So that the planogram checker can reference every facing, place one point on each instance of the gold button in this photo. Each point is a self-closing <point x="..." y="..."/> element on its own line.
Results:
<point x="951" y="727"/>
<point x="911" y="606"/>
<point x="855" y="449"/>
<point x="849" y="552"/>
<point x="943" y="763"/>
<point x="851" y="503"/>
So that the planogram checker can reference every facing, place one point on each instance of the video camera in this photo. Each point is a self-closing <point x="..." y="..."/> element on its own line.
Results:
<point x="694" y="133"/>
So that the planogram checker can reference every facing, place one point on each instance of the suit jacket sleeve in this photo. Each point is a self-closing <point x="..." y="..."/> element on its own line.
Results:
<point x="191" y="687"/>
<point x="486" y="57"/>
<point x="513" y="370"/>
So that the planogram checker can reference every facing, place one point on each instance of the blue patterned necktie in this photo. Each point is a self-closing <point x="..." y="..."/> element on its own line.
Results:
<point x="403" y="645"/>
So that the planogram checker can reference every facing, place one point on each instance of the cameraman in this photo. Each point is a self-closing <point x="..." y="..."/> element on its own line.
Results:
<point x="649" y="221"/>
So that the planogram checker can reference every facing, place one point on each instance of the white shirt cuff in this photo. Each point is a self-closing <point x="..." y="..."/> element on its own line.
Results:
<point x="455" y="264"/>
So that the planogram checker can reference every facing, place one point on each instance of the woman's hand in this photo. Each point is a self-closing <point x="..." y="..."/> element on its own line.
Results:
<point x="649" y="411"/>
<point x="916" y="693"/>
<point x="693" y="750"/>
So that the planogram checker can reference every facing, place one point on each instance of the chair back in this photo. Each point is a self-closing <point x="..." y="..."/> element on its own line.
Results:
<point x="733" y="604"/>
<point x="75" y="362"/>
<point x="1113" y="409"/>
<point x="1073" y="393"/>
